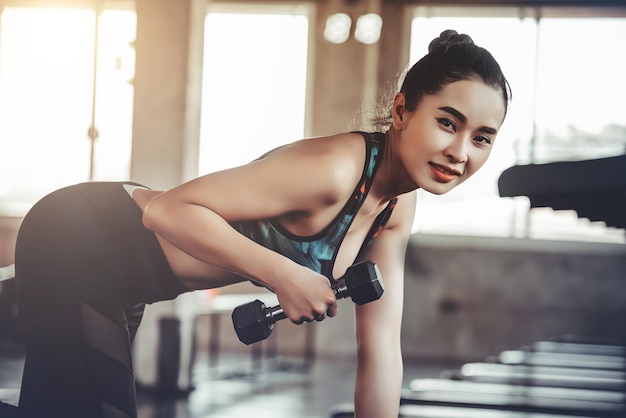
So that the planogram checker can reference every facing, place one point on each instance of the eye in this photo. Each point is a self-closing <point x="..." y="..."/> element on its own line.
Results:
<point x="447" y="123"/>
<point x="482" y="139"/>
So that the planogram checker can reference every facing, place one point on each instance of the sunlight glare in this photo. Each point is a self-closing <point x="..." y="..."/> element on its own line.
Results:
<point x="254" y="86"/>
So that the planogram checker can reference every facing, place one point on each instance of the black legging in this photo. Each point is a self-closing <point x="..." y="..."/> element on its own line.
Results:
<point x="85" y="267"/>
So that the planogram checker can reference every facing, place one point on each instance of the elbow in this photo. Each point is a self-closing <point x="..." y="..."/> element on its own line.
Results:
<point x="165" y="215"/>
<point x="153" y="217"/>
<point x="148" y="220"/>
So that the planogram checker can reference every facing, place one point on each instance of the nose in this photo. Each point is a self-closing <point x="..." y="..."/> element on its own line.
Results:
<point x="456" y="151"/>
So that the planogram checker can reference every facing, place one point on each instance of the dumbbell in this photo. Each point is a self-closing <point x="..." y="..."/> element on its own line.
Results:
<point x="254" y="321"/>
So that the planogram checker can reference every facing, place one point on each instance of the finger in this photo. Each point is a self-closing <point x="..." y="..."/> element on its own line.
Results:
<point x="332" y="310"/>
<point x="303" y="320"/>
<point x="319" y="317"/>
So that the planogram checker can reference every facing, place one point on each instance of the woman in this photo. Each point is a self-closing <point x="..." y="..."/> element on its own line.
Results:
<point x="90" y="256"/>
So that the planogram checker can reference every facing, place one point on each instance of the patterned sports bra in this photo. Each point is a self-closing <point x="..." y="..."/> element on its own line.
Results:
<point x="318" y="252"/>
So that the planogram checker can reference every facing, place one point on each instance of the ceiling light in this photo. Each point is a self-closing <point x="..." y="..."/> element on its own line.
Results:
<point x="337" y="28"/>
<point x="368" y="28"/>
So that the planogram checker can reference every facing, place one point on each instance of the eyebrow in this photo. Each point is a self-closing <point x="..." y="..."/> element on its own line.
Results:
<point x="460" y="116"/>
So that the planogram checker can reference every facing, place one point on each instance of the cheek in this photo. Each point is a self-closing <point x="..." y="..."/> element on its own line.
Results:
<point x="478" y="159"/>
<point x="418" y="139"/>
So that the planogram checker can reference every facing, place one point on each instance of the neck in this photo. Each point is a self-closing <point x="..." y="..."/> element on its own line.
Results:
<point x="392" y="178"/>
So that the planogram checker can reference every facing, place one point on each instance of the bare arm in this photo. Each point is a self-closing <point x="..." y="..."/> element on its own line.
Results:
<point x="195" y="218"/>
<point x="379" y="369"/>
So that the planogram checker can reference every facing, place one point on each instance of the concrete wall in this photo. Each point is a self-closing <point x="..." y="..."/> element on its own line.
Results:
<point x="468" y="298"/>
<point x="168" y="88"/>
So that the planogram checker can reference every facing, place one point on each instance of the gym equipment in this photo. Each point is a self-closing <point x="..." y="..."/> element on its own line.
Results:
<point x="254" y="322"/>
<point x="590" y="361"/>
<point x="589" y="340"/>
<point x="427" y="411"/>
<point x="613" y="350"/>
<point x="550" y="376"/>
<point x="595" y="189"/>
<point x="432" y="386"/>
<point x="8" y="410"/>
<point x="547" y="379"/>
<point x="528" y="399"/>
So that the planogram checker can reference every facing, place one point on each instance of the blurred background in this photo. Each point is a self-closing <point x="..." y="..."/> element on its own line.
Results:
<point x="161" y="91"/>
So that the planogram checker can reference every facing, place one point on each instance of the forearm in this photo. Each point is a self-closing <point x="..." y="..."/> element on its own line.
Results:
<point x="378" y="384"/>
<point x="208" y="237"/>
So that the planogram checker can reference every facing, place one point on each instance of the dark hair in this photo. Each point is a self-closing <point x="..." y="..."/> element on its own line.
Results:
<point x="451" y="57"/>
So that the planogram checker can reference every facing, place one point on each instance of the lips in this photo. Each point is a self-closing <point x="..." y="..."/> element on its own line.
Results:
<point x="443" y="173"/>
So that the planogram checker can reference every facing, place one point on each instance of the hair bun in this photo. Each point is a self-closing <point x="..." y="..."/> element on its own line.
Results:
<point x="448" y="38"/>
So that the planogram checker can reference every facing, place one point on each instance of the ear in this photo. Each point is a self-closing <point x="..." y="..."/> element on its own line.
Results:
<point x="398" y="111"/>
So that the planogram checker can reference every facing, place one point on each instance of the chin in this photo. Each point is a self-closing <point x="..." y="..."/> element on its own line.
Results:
<point x="441" y="188"/>
<point x="437" y="190"/>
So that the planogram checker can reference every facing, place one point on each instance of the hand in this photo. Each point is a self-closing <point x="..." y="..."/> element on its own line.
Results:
<point x="306" y="296"/>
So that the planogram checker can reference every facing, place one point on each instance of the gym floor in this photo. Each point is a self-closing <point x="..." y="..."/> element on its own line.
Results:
<point x="278" y="389"/>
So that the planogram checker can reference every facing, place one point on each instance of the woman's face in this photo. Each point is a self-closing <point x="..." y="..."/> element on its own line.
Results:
<point x="450" y="135"/>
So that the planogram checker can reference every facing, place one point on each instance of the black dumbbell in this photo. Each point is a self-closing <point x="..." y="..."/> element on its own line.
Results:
<point x="254" y="322"/>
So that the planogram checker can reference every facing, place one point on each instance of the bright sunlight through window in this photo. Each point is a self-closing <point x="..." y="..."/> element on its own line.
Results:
<point x="48" y="100"/>
<point x="254" y="86"/>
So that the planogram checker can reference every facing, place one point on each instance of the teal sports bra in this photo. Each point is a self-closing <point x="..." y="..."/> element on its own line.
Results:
<point x="318" y="252"/>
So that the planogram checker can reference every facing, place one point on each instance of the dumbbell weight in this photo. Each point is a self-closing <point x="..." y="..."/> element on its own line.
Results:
<point x="254" y="321"/>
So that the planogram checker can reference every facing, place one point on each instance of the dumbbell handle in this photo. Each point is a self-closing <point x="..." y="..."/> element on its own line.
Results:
<point x="276" y="313"/>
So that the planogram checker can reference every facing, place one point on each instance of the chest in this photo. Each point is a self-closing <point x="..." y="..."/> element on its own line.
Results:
<point x="328" y="240"/>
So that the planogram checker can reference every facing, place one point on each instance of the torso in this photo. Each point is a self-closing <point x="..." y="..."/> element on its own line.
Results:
<point x="196" y="274"/>
<point x="335" y="241"/>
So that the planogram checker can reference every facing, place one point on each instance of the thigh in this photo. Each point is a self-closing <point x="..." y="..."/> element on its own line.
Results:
<point x="73" y="318"/>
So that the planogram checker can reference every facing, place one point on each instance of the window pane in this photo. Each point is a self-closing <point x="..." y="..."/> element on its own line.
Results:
<point x="114" y="94"/>
<point x="46" y="76"/>
<point x="254" y="86"/>
<point x="580" y="109"/>
<point x="47" y="100"/>
<point x="581" y="89"/>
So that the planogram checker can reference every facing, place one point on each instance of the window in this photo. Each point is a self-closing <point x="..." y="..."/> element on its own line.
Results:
<point x="254" y="83"/>
<point x="560" y="70"/>
<point x="580" y="89"/>
<point x="49" y="101"/>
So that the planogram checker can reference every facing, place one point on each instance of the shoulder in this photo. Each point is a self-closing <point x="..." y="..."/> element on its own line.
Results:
<point x="334" y="147"/>
<point x="336" y="161"/>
